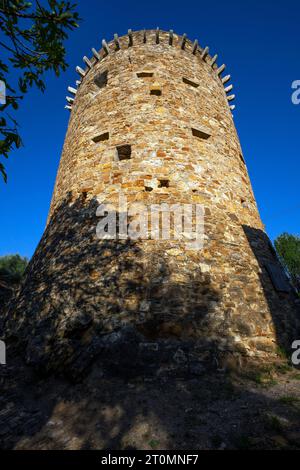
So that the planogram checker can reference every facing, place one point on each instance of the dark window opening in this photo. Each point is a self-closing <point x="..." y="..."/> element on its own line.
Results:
<point x="101" y="137"/>
<point x="124" y="152"/>
<point x="144" y="74"/>
<point x="189" y="82"/>
<point x="148" y="188"/>
<point x="101" y="79"/>
<point x="155" y="92"/>
<point x="200" y="134"/>
<point x="164" y="183"/>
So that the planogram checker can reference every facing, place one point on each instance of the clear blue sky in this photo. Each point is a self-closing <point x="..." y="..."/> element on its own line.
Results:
<point x="260" y="43"/>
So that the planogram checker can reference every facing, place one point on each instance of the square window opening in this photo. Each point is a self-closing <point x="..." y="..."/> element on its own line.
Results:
<point x="101" y="79"/>
<point x="155" y="92"/>
<point x="200" y="134"/>
<point x="124" y="152"/>
<point x="164" y="183"/>
<point x="101" y="137"/>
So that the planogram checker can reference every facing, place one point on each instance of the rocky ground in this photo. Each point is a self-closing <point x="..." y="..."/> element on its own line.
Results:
<point x="254" y="409"/>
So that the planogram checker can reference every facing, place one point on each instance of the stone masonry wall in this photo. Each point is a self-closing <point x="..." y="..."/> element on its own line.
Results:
<point x="138" y="299"/>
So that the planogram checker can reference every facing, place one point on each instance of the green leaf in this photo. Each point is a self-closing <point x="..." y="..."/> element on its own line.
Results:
<point x="3" y="172"/>
<point x="35" y="46"/>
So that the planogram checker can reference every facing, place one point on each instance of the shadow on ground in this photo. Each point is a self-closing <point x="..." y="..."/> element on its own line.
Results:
<point x="214" y="411"/>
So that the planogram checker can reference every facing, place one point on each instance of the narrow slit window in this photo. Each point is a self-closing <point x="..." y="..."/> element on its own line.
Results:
<point x="101" y="137"/>
<point x="124" y="152"/>
<point x="155" y="91"/>
<point x="190" y="82"/>
<point x="144" y="74"/>
<point x="101" y="79"/>
<point x="200" y="134"/>
<point x="242" y="159"/>
<point x="164" y="183"/>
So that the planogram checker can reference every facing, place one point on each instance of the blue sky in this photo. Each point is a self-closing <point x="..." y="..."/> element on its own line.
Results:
<point x="258" y="40"/>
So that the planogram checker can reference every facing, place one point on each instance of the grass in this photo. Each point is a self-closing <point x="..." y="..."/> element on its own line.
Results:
<point x="284" y="368"/>
<point x="289" y="400"/>
<point x="264" y="378"/>
<point x="153" y="443"/>
<point x="281" y="352"/>
<point x="264" y="381"/>
<point x="273" y="423"/>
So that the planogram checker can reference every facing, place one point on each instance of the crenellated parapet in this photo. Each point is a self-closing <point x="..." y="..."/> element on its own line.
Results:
<point x="169" y="39"/>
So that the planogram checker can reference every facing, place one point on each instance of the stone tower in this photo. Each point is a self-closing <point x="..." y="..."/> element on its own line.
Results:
<point x="151" y="118"/>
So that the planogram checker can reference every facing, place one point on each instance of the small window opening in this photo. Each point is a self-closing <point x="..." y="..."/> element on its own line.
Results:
<point x="155" y="91"/>
<point x="190" y="82"/>
<point x="164" y="184"/>
<point x="124" y="152"/>
<point x="148" y="188"/>
<point x="144" y="74"/>
<point x="101" y="79"/>
<point x="200" y="134"/>
<point x="101" y="137"/>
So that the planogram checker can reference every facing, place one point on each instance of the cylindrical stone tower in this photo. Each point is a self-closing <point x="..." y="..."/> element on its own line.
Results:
<point x="151" y="118"/>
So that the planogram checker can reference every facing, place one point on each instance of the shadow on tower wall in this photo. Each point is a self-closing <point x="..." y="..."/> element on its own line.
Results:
<point x="122" y="301"/>
<point x="282" y="300"/>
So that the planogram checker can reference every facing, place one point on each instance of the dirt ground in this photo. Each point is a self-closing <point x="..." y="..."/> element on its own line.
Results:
<point x="257" y="409"/>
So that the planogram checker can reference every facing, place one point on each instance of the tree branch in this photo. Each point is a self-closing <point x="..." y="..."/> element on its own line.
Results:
<point x="7" y="47"/>
<point x="46" y="17"/>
